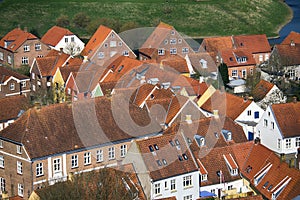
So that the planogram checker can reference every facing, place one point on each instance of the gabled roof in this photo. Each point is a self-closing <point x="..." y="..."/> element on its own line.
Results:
<point x="229" y="57"/>
<point x="293" y="36"/>
<point x="177" y="63"/>
<point x="215" y="44"/>
<point x="90" y="123"/>
<point x="288" y="118"/>
<point x="163" y="160"/>
<point x="288" y="54"/>
<point x="158" y="35"/>
<point x="260" y="158"/>
<point x="16" y="38"/>
<point x="209" y="57"/>
<point x="261" y="90"/>
<point x="253" y="43"/>
<point x="5" y="74"/>
<point x="66" y="71"/>
<point x="11" y="110"/>
<point x="226" y="104"/>
<point x="96" y="40"/>
<point x="54" y="35"/>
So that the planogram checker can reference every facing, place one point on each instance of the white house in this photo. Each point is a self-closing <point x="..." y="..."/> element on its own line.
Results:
<point x="61" y="38"/>
<point x="165" y="167"/>
<point x="279" y="130"/>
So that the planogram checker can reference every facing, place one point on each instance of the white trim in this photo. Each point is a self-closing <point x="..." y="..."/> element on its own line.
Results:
<point x="49" y="168"/>
<point x="143" y="103"/>
<point x="124" y="43"/>
<point x="25" y="90"/>
<point x="64" y="164"/>
<point x="176" y="113"/>
<point x="26" y="153"/>
<point x="39" y="182"/>
<point x="108" y="72"/>
<point x="11" y="77"/>
<point x="67" y="60"/>
<point x="95" y="53"/>
<point x="5" y="153"/>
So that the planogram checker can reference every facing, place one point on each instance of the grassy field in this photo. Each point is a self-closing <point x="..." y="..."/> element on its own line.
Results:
<point x="193" y="18"/>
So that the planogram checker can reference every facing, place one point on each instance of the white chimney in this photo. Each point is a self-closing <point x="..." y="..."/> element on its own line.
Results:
<point x="85" y="58"/>
<point x="188" y="119"/>
<point x="216" y="114"/>
<point x="143" y="80"/>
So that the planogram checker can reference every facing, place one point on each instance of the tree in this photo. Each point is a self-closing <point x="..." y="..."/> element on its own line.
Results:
<point x="223" y="71"/>
<point x="63" y="21"/>
<point x="81" y="20"/>
<point x="72" y="49"/>
<point x="252" y="80"/>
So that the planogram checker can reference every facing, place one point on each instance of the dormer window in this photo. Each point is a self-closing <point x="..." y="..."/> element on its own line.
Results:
<point x="159" y="163"/>
<point x="184" y="156"/>
<point x="203" y="177"/>
<point x="151" y="148"/>
<point x="171" y="143"/>
<point x="259" y="176"/>
<point x="203" y="63"/>
<point x="231" y="164"/>
<point x="199" y="140"/>
<point x="164" y="161"/>
<point x="156" y="147"/>
<point x="280" y="187"/>
<point x="203" y="171"/>
<point x="227" y="135"/>
<point x="1" y="143"/>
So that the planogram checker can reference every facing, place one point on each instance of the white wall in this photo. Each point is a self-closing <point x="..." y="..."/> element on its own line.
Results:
<point x="180" y="191"/>
<point x="63" y="44"/>
<point x="253" y="107"/>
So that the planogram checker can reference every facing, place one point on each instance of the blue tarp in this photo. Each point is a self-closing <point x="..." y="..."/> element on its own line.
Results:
<point x="207" y="194"/>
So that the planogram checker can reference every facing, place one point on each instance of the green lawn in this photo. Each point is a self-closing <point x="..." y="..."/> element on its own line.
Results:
<point x="191" y="17"/>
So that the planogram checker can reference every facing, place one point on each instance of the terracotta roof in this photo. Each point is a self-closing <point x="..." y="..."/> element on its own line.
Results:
<point x="261" y="90"/>
<point x="177" y="63"/>
<point x="157" y="36"/>
<point x="140" y="94"/>
<point x="11" y="110"/>
<point x="211" y="130"/>
<point x="16" y="38"/>
<point x="230" y="57"/>
<point x="288" y="118"/>
<point x="164" y="161"/>
<point x="226" y="104"/>
<point x="260" y="158"/>
<point x="253" y="43"/>
<point x="192" y="86"/>
<point x="293" y="36"/>
<point x="66" y="71"/>
<point x="215" y="44"/>
<point x="90" y="123"/>
<point x="54" y="35"/>
<point x="96" y="40"/>
<point x="209" y="57"/>
<point x="5" y="74"/>
<point x="289" y="55"/>
<point x="16" y="198"/>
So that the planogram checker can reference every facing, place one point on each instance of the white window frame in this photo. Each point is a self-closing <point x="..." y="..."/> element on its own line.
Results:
<point x="249" y="112"/>
<point x="20" y="190"/>
<point x="173" y="41"/>
<point x="203" y="177"/>
<point x="1" y="56"/>
<point x="123" y="149"/>
<point x="113" y="43"/>
<point x="173" y="51"/>
<point x="9" y="59"/>
<point x="19" y="149"/>
<point x="66" y="40"/>
<point x="1" y="143"/>
<point x="187" y="181"/>
<point x="120" y="43"/>
<point x="179" y="41"/>
<point x="125" y="53"/>
<point x="19" y="167"/>
<point x="26" y="48"/>
<point x="23" y="84"/>
<point x="2" y="184"/>
<point x="99" y="155"/>
<point x="101" y="55"/>
<point x="278" y="143"/>
<point x="39" y="169"/>
<point x="261" y="58"/>
<point x="74" y="161"/>
<point x="111" y="153"/>
<point x="87" y="158"/>
<point x="265" y="123"/>
<point x="2" y="165"/>
<point x="12" y="86"/>
<point x="157" y="189"/>
<point x="188" y="197"/>
<point x="25" y="60"/>
<point x="234" y="73"/>
<point x="72" y="39"/>
<point x="297" y="142"/>
<point x="288" y="143"/>
<point x="38" y="46"/>
<point x="57" y="165"/>
<point x="185" y="50"/>
<point x="266" y="57"/>
<point x="173" y="184"/>
<point x="244" y="73"/>
<point x="161" y="52"/>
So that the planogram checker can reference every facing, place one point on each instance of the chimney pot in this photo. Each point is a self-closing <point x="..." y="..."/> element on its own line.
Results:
<point x="294" y="99"/>
<point x="257" y="141"/>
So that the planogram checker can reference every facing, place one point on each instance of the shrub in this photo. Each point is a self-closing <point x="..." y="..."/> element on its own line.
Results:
<point x="81" y="20"/>
<point x="63" y="21"/>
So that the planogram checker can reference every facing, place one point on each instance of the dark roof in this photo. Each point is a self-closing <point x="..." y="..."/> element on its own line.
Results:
<point x="288" y="54"/>
<point x="11" y="110"/>
<point x="85" y="123"/>
<point x="261" y="90"/>
<point x="5" y="74"/>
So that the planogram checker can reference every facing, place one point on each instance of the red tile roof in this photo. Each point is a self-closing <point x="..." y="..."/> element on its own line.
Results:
<point x="96" y="40"/>
<point x="87" y="117"/>
<point x="54" y="35"/>
<point x="259" y="158"/>
<point x="5" y="74"/>
<point x="16" y="37"/>
<point x="177" y="63"/>
<point x="230" y="57"/>
<point x="289" y="55"/>
<point x="288" y="118"/>
<point x="253" y="43"/>
<point x="11" y="110"/>
<point x="226" y="103"/>
<point x="293" y="36"/>
<point x="215" y="44"/>
<point x="173" y="166"/>
<point x="209" y="57"/>
<point x="261" y="90"/>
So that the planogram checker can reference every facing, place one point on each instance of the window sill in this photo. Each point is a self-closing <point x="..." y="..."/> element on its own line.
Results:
<point x="75" y="167"/>
<point x="173" y="191"/>
<point x="39" y="175"/>
<point x="87" y="164"/>
<point x="188" y="187"/>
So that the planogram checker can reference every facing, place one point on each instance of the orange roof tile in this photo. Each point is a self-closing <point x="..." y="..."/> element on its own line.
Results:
<point x="288" y="118"/>
<point x="261" y="90"/>
<point x="215" y="44"/>
<point x="96" y="40"/>
<point x="253" y="43"/>
<point x="230" y="56"/>
<point x="209" y="57"/>
<point x="177" y="63"/>
<point x="226" y="103"/>
<point x="16" y="38"/>
<point x="230" y="161"/>
<point x="5" y="74"/>
<point x="289" y="55"/>
<point x="54" y="35"/>
<point x="293" y="36"/>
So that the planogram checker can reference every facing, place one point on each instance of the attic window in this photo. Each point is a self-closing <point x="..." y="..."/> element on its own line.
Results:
<point x="259" y="176"/>
<point x="164" y="161"/>
<point x="199" y="140"/>
<point x="231" y="59"/>
<point x="159" y="163"/>
<point x="180" y="158"/>
<point x="177" y="142"/>
<point x="248" y="169"/>
<point x="242" y="44"/>
<point x="113" y="66"/>
<point x="156" y="147"/>
<point x="120" y="68"/>
<point x="216" y="135"/>
<point x="184" y="156"/>
<point x="189" y="140"/>
<point x="227" y="135"/>
<point x="270" y="187"/>
<point x="151" y="148"/>
<point x="171" y="143"/>
<point x="266" y="184"/>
